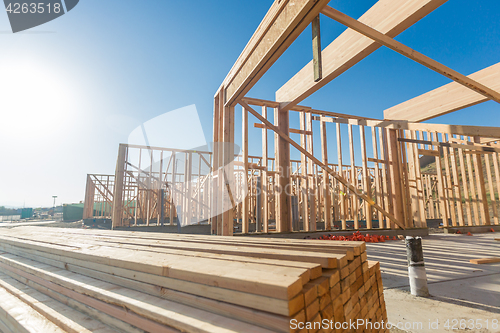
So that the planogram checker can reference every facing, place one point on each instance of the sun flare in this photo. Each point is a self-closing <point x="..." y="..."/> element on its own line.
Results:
<point x="33" y="98"/>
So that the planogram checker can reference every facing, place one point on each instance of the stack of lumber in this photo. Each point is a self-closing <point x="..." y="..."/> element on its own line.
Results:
<point x="77" y="280"/>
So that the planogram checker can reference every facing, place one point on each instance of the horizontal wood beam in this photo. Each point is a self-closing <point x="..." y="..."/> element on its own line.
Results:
<point x="410" y="53"/>
<point x="167" y="149"/>
<point x="473" y="148"/>
<point x="335" y="175"/>
<point x="300" y="108"/>
<point x="445" y="99"/>
<point x="292" y="130"/>
<point x="404" y="125"/>
<point x="387" y="16"/>
<point x="428" y="152"/>
<point x="376" y="160"/>
<point x="283" y="23"/>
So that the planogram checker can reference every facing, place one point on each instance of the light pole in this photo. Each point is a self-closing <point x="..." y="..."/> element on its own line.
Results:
<point x="54" y="207"/>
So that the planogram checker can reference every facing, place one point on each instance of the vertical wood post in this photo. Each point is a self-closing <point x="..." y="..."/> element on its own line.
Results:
<point x="218" y="183"/>
<point x="493" y="200"/>
<point x="265" y="204"/>
<point x="313" y="175"/>
<point x="483" y="202"/>
<point x="304" y="182"/>
<point x="475" y="204"/>
<point x="366" y="178"/>
<point x="172" y="190"/>
<point x="413" y="164"/>
<point x="117" y="217"/>
<point x="378" y="185"/>
<point x="258" y="204"/>
<point x="244" y="147"/>
<point x="326" y="179"/>
<point x="228" y="176"/>
<point x="354" y="179"/>
<point x="342" y="190"/>
<point x="385" y="173"/>
<point x="395" y="177"/>
<point x="283" y="218"/>
<point x="465" y="183"/>
<point x="215" y="165"/>
<point x="88" y="205"/>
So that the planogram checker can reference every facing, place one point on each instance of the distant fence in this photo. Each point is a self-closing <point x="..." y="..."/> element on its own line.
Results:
<point x="10" y="218"/>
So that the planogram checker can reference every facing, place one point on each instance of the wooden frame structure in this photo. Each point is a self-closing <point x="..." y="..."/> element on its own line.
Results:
<point x="380" y="185"/>
<point x="152" y="186"/>
<point x="392" y="191"/>
<point x="98" y="202"/>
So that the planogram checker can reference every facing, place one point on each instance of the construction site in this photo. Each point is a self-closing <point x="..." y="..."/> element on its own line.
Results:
<point x="295" y="238"/>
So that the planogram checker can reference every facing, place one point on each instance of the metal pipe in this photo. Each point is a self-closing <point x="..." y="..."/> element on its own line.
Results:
<point x="416" y="266"/>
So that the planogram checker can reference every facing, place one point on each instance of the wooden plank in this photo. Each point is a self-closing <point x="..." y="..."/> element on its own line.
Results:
<point x="61" y="315"/>
<point x="387" y="16"/>
<point x="284" y="22"/>
<point x="175" y="290"/>
<point x="199" y="250"/>
<point x="445" y="99"/>
<point x="21" y="318"/>
<point x="410" y="53"/>
<point x="109" y="320"/>
<point x="225" y="274"/>
<point x="357" y="247"/>
<point x="144" y="311"/>
<point x="252" y="316"/>
<point x="485" y="261"/>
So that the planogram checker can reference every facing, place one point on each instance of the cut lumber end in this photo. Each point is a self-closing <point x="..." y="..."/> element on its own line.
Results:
<point x="485" y="261"/>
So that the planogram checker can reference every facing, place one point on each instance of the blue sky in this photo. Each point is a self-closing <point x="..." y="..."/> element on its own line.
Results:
<point x="77" y="86"/>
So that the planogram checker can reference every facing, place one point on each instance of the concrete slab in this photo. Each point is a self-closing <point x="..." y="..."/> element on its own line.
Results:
<point x="431" y="315"/>
<point x="459" y="289"/>
<point x="19" y="224"/>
